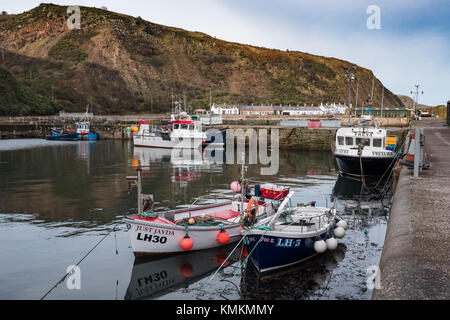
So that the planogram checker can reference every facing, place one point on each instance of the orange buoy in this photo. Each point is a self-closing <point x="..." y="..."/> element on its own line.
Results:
<point x="187" y="243"/>
<point x="223" y="237"/>
<point x="186" y="270"/>
<point x="249" y="206"/>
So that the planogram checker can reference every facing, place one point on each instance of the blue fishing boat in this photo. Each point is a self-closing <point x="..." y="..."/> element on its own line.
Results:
<point x="84" y="131"/>
<point x="292" y="235"/>
<point x="62" y="135"/>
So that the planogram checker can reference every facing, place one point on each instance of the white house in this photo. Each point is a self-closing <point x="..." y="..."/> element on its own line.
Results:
<point x="224" y="109"/>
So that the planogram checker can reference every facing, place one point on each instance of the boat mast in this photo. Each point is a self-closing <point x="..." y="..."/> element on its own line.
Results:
<point x="242" y="183"/>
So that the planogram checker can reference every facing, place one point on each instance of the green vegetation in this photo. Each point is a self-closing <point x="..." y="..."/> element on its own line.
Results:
<point x="70" y="47"/>
<point x="17" y="100"/>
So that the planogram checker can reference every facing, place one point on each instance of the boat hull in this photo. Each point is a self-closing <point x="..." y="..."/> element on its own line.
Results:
<point x="89" y="136"/>
<point x="150" y="238"/>
<point x="159" y="142"/>
<point x="63" y="137"/>
<point x="277" y="250"/>
<point x="371" y="166"/>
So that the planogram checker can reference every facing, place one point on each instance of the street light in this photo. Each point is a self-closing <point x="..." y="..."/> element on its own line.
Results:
<point x="416" y="99"/>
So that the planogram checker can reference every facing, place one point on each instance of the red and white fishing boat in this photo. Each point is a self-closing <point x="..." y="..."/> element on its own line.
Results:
<point x="195" y="228"/>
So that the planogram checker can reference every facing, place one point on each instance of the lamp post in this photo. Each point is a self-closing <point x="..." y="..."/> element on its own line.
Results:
<point x="416" y="99"/>
<point x="350" y="78"/>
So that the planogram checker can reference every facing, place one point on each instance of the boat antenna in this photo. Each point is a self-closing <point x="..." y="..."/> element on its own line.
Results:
<point x="382" y="100"/>
<point x="242" y="183"/>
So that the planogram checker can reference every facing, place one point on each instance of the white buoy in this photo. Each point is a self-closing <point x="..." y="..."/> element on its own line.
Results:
<point x="320" y="246"/>
<point x="342" y="224"/>
<point x="331" y="243"/>
<point x="339" y="232"/>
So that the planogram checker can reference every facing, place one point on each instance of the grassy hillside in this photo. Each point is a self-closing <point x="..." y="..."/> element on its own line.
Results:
<point x="16" y="99"/>
<point x="121" y="64"/>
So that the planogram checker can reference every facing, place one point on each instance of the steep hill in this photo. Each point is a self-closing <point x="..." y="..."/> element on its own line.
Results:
<point x="122" y="64"/>
<point x="16" y="99"/>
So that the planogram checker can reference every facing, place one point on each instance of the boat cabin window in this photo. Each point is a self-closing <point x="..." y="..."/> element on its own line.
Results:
<point x="341" y="141"/>
<point x="363" y="141"/>
<point x="191" y="127"/>
<point x="176" y="126"/>
<point x="184" y="126"/>
<point x="376" y="142"/>
<point x="349" y="141"/>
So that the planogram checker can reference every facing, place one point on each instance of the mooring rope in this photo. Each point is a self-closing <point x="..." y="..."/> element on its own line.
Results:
<point x="70" y="271"/>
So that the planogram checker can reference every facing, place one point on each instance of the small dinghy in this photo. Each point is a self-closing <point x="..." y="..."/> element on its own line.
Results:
<point x="292" y="235"/>
<point x="196" y="228"/>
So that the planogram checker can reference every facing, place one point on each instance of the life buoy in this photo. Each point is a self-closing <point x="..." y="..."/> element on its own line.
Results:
<point x="249" y="206"/>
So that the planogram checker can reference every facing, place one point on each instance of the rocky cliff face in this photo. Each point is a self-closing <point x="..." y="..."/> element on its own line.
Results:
<point x="122" y="64"/>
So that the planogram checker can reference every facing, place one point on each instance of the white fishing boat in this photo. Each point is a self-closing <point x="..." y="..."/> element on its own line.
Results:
<point x="364" y="150"/>
<point x="200" y="227"/>
<point x="292" y="235"/>
<point x="185" y="134"/>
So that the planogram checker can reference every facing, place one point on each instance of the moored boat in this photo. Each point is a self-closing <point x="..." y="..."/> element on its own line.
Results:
<point x="185" y="134"/>
<point x="62" y="135"/>
<point x="197" y="228"/>
<point x="292" y="235"/>
<point x="85" y="132"/>
<point x="367" y="151"/>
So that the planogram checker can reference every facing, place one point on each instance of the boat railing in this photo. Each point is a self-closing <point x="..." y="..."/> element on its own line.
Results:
<point x="309" y="220"/>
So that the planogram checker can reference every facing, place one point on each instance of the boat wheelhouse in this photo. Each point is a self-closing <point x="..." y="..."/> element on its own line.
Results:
<point x="84" y="131"/>
<point x="364" y="150"/>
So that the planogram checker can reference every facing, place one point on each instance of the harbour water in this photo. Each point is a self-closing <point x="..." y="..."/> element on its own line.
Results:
<point x="59" y="199"/>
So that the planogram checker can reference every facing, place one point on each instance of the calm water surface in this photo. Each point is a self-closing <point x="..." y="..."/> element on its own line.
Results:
<point x="59" y="199"/>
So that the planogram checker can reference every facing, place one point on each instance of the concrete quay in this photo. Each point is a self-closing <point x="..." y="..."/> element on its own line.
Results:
<point x="415" y="262"/>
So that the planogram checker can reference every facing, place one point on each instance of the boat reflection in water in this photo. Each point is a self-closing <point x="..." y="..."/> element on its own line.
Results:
<point x="187" y="164"/>
<point x="353" y="198"/>
<point x="297" y="282"/>
<point x="157" y="276"/>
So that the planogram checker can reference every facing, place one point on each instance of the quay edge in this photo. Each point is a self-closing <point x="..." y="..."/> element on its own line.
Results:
<point x="415" y="262"/>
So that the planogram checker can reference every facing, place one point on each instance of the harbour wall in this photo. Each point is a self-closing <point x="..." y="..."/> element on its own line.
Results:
<point x="415" y="262"/>
<point x="300" y="138"/>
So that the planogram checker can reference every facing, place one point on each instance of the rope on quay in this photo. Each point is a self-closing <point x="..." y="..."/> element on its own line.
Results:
<point x="70" y="271"/>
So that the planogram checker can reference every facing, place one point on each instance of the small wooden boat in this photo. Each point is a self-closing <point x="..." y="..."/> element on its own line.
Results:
<point x="292" y="235"/>
<point x="197" y="228"/>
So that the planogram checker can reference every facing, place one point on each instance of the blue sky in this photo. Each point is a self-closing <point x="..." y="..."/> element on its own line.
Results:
<point x="412" y="46"/>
